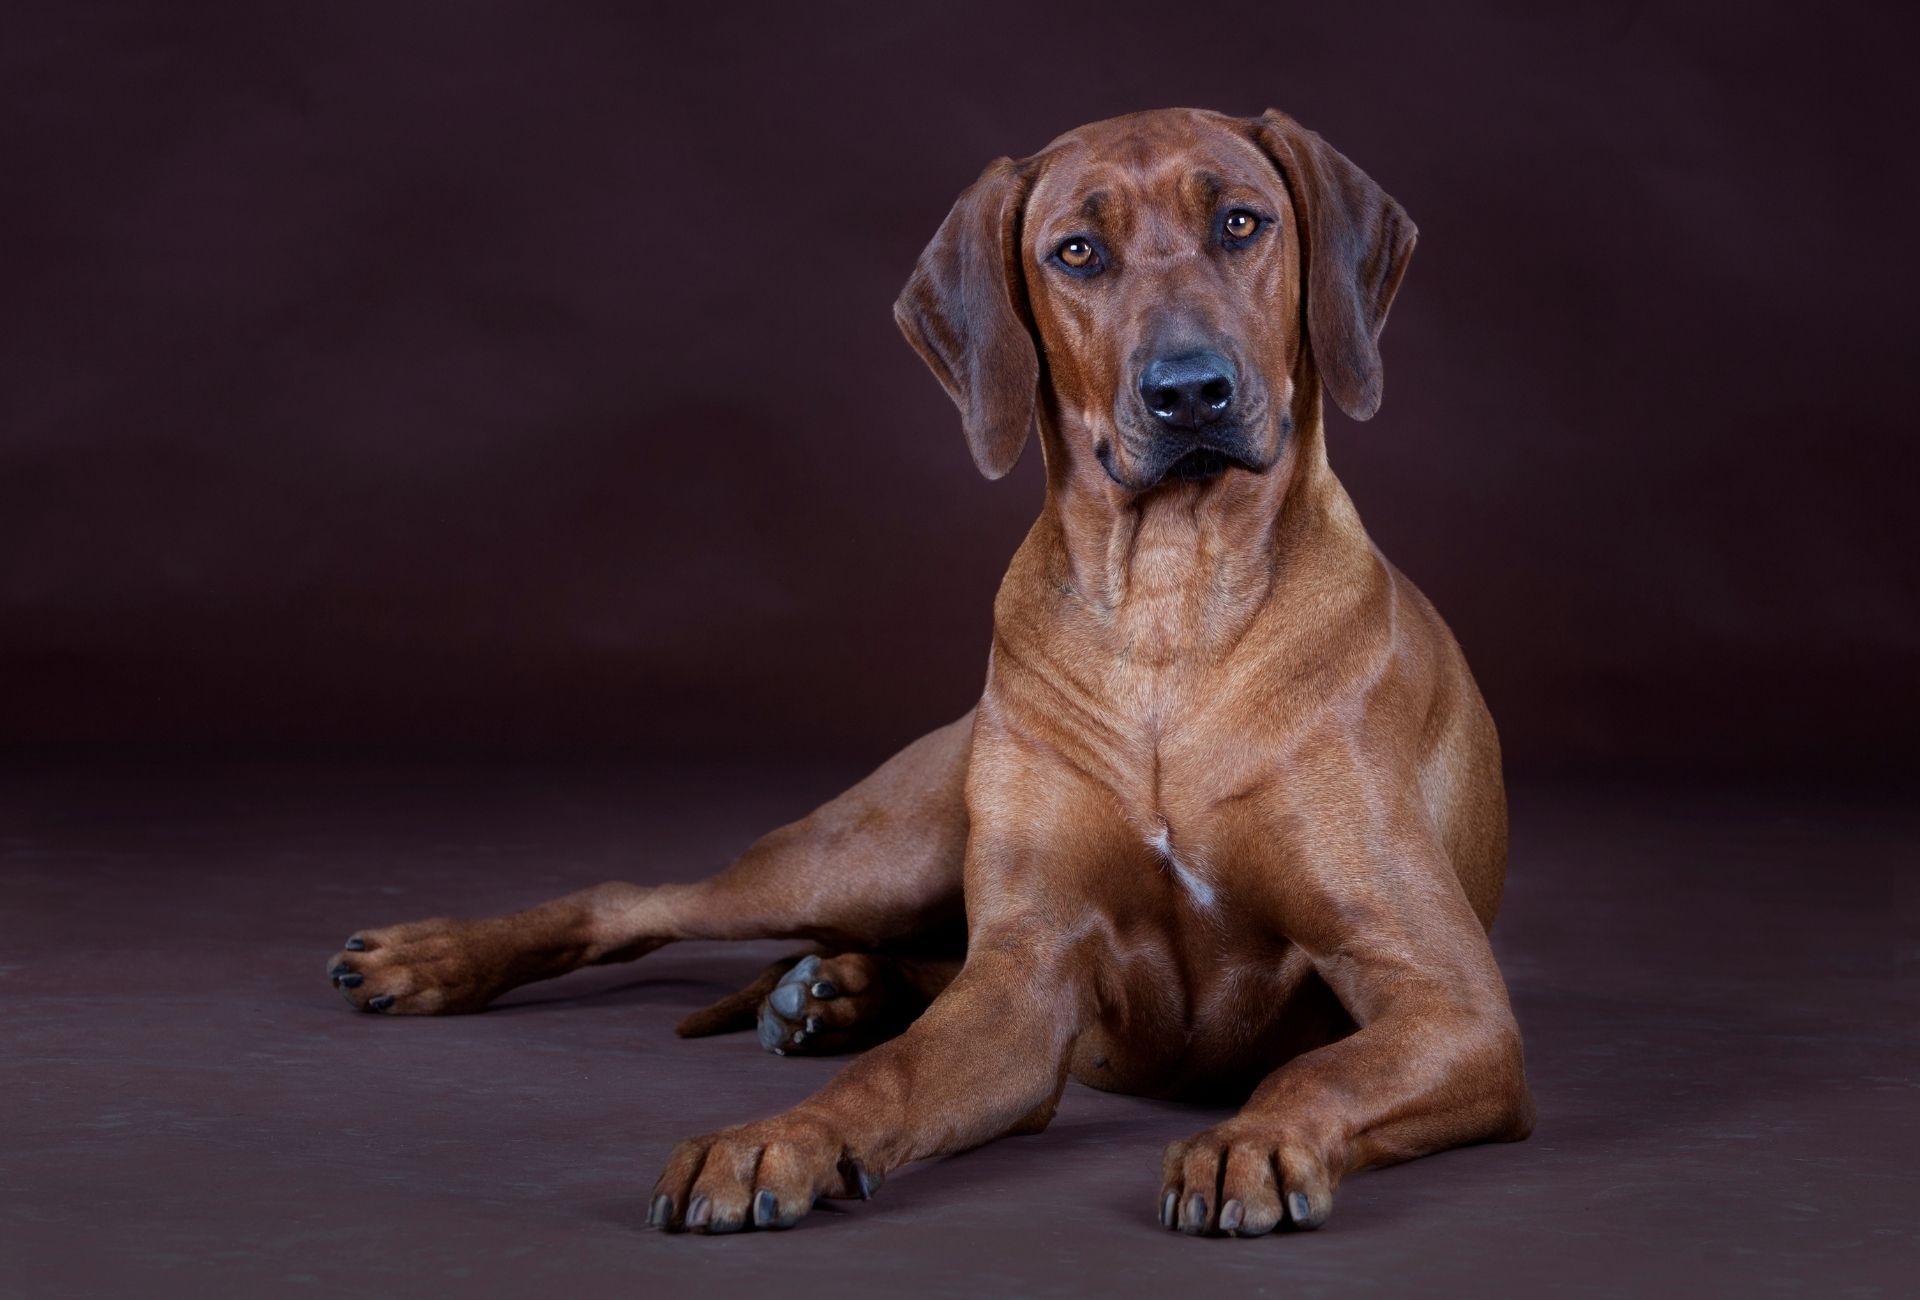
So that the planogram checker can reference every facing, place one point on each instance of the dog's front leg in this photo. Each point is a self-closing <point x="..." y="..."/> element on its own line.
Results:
<point x="1436" y="1060"/>
<point x="987" y="1058"/>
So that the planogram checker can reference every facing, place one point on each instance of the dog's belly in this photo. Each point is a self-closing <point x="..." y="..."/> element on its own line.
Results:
<point x="1171" y="1026"/>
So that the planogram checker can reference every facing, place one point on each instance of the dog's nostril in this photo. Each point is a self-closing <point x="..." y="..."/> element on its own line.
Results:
<point x="1188" y="390"/>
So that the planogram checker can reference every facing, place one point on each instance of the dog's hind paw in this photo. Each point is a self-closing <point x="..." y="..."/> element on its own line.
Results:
<point x="429" y="968"/>
<point x="832" y="1004"/>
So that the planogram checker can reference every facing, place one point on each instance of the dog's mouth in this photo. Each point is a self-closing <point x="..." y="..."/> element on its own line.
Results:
<point x="1199" y="465"/>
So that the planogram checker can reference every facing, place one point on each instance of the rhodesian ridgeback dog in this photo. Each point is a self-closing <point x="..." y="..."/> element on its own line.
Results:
<point x="1228" y="820"/>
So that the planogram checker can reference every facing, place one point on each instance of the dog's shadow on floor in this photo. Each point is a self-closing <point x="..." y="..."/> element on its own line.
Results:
<point x="681" y="979"/>
<point x="683" y="993"/>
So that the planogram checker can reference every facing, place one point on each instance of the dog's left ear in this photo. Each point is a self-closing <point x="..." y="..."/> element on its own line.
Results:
<point x="1357" y="245"/>
<point x="962" y="311"/>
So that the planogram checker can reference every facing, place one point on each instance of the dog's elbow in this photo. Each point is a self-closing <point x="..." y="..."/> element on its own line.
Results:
<point x="1500" y="1072"/>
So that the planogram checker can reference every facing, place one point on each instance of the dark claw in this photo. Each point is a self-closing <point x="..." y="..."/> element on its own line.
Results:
<point x="699" y="1211"/>
<point x="355" y="944"/>
<point x="824" y="989"/>
<point x="338" y="969"/>
<point x="799" y="1038"/>
<point x="863" y="1182"/>
<point x="1301" y="1209"/>
<point x="1230" y="1214"/>
<point x="813" y="1024"/>
<point x="661" y="1212"/>
<point x="1169" y="1210"/>
<point x="1196" y="1216"/>
<point x="764" y="1207"/>
<point x="787" y="999"/>
<point x="350" y="981"/>
<point x="380" y="1003"/>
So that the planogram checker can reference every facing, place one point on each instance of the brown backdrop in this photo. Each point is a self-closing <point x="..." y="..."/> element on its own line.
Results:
<point x="524" y="375"/>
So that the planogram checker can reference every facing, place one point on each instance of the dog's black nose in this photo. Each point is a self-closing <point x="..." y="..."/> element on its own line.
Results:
<point x="1189" y="390"/>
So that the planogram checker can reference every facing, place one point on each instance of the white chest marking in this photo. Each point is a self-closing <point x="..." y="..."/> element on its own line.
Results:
<point x="1196" y="885"/>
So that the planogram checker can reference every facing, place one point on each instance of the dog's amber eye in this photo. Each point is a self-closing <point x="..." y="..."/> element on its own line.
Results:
<point x="1241" y="223"/>
<point x="1078" y="254"/>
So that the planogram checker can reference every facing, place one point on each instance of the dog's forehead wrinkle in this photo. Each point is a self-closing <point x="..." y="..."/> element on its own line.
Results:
<point x="1167" y="244"/>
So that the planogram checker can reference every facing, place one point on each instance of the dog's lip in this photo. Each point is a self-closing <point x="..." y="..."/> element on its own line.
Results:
<point x="1202" y="464"/>
<point x="1199" y="465"/>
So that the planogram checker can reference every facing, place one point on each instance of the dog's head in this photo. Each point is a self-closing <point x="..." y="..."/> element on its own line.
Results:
<point x="1156" y="285"/>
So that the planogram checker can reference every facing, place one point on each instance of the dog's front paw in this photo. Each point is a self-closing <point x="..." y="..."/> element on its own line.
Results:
<point x="763" y="1175"/>
<point x="424" y="968"/>
<point x="1244" y="1179"/>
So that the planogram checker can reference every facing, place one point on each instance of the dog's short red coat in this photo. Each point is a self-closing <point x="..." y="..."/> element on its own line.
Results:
<point x="1228" y="819"/>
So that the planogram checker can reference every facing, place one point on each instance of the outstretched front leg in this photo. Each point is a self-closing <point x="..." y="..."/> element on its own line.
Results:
<point x="987" y="1058"/>
<point x="880" y="864"/>
<point x="1436" y="1060"/>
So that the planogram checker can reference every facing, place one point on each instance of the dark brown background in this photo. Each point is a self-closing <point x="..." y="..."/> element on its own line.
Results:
<point x="462" y="375"/>
<point x="382" y="385"/>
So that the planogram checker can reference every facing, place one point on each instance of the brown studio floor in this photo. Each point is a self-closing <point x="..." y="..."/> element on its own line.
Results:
<point x="1721" y="996"/>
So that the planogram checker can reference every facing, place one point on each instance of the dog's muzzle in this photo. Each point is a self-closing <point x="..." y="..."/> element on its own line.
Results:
<point x="1193" y="428"/>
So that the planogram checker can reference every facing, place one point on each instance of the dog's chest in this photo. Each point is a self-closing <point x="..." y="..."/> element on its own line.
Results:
<point x="1175" y="785"/>
<point x="1189" y="871"/>
<point x="1165" y="750"/>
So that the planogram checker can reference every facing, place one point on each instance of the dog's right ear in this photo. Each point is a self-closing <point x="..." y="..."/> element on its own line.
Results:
<point x="964" y="312"/>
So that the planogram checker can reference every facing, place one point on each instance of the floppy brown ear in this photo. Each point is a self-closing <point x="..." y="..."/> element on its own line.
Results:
<point x="962" y="311"/>
<point x="1357" y="245"/>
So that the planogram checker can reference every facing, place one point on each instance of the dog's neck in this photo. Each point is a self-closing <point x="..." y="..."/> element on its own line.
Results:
<point x="1182" y="570"/>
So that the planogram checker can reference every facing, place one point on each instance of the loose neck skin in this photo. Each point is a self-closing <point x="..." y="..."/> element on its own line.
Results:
<point x="1184" y="568"/>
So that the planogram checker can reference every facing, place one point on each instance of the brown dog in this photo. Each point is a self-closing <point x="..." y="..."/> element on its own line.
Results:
<point x="1229" y="815"/>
